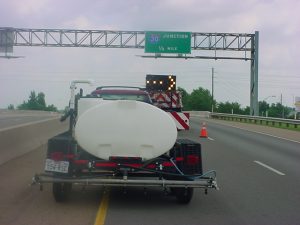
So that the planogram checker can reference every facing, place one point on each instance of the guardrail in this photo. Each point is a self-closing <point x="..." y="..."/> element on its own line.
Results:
<point x="204" y="114"/>
<point x="256" y="119"/>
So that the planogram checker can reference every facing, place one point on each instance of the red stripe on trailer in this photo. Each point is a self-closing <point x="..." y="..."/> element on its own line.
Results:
<point x="166" y="97"/>
<point x="175" y="99"/>
<point x="161" y="96"/>
<point x="180" y="120"/>
<point x="174" y="102"/>
<point x="187" y="115"/>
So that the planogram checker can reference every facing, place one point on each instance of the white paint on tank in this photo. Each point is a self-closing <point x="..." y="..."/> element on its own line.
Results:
<point x="86" y="103"/>
<point x="125" y="128"/>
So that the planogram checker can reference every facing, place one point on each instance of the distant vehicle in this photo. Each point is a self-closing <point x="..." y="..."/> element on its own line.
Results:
<point x="118" y="138"/>
<point x="163" y="93"/>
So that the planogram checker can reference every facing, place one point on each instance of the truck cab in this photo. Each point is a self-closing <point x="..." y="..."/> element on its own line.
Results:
<point x="122" y="93"/>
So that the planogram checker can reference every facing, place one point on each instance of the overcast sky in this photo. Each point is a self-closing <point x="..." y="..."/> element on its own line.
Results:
<point x="50" y="70"/>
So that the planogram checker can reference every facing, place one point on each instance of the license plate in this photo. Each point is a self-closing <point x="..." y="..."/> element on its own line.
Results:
<point x="56" y="166"/>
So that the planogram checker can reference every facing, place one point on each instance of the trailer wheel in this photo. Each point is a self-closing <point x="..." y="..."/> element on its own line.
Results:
<point x="61" y="191"/>
<point x="184" y="195"/>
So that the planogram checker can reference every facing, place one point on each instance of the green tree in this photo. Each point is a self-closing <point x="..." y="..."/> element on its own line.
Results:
<point x="199" y="100"/>
<point x="11" y="107"/>
<point x="246" y="111"/>
<point x="23" y="106"/>
<point x="36" y="102"/>
<point x="224" y="107"/>
<point x="32" y="102"/>
<point x="51" y="108"/>
<point x="41" y="100"/>
<point x="279" y="111"/>
<point x="228" y="107"/>
<point x="263" y="107"/>
<point x="185" y="96"/>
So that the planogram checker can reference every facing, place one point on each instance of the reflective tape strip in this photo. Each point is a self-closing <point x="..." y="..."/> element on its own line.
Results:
<point x="167" y="99"/>
<point x="174" y="100"/>
<point x="181" y="119"/>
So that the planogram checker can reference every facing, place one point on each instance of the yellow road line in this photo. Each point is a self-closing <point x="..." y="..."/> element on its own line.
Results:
<point x="101" y="214"/>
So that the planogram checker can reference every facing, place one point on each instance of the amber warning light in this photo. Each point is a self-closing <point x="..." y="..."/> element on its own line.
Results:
<point x="160" y="82"/>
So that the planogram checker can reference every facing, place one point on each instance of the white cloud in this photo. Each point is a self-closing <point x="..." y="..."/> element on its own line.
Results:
<point x="28" y="7"/>
<point x="278" y="22"/>
<point x="82" y="22"/>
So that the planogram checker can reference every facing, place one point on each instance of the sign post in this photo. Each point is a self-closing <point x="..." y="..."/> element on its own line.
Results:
<point x="6" y="41"/>
<point x="297" y="104"/>
<point x="168" y="42"/>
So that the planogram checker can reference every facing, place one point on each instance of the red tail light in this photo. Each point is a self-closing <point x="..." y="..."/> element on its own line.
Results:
<point x="179" y="159"/>
<point x="167" y="164"/>
<point x="151" y="166"/>
<point x="57" y="156"/>
<point x="192" y="159"/>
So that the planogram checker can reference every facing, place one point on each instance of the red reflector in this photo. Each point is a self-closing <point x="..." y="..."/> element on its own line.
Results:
<point x="108" y="164"/>
<point x="70" y="156"/>
<point x="57" y="156"/>
<point x="192" y="159"/>
<point x="178" y="159"/>
<point x="81" y="162"/>
<point x="151" y="166"/>
<point x="166" y="164"/>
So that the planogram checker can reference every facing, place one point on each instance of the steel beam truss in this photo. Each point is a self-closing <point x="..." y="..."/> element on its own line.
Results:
<point x="116" y="39"/>
<point x="246" y="44"/>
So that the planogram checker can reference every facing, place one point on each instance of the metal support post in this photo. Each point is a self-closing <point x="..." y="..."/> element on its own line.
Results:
<point x="254" y="108"/>
<point x="212" y="90"/>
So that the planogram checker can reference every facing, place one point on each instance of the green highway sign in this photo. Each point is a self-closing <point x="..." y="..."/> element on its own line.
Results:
<point x="168" y="42"/>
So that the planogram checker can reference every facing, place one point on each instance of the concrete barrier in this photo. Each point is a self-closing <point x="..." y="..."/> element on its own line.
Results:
<point x="203" y="114"/>
<point x="18" y="140"/>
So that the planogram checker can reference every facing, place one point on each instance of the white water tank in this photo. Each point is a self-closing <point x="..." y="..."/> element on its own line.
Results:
<point x="125" y="128"/>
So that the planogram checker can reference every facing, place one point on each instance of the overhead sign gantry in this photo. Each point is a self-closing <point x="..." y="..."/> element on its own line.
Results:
<point x="175" y="44"/>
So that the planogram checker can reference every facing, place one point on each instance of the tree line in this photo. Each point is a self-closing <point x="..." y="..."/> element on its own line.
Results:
<point x="200" y="99"/>
<point x="35" y="102"/>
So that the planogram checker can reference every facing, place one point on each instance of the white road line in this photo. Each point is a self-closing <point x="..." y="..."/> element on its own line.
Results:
<point x="211" y="139"/>
<point x="28" y="123"/>
<point x="270" y="168"/>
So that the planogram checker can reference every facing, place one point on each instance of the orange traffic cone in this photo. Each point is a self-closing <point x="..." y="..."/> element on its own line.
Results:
<point x="203" y="132"/>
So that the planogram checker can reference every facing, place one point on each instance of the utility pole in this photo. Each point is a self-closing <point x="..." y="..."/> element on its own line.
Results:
<point x="294" y="105"/>
<point x="281" y="105"/>
<point x="212" y="90"/>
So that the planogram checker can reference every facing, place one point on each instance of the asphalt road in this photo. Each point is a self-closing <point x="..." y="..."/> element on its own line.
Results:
<point x="10" y="118"/>
<point x="258" y="177"/>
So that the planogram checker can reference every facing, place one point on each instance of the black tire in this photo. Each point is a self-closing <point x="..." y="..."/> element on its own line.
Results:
<point x="61" y="191"/>
<point x="184" y="195"/>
